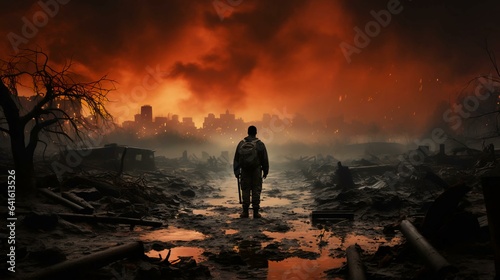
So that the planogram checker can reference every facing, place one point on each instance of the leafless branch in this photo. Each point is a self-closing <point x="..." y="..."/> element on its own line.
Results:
<point x="50" y="86"/>
<point x="485" y="114"/>
<point x="492" y="57"/>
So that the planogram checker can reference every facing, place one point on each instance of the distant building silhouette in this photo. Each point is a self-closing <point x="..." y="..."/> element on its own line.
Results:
<point x="225" y="127"/>
<point x="147" y="114"/>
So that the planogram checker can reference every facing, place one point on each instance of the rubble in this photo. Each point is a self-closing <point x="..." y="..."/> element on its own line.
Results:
<point x="307" y="218"/>
<point x="445" y="201"/>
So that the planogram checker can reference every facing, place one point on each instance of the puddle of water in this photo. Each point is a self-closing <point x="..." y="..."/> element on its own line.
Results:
<point x="370" y="244"/>
<point x="231" y="231"/>
<point x="309" y="240"/>
<point x="172" y="234"/>
<point x="204" y="212"/>
<point x="297" y="268"/>
<point x="177" y="252"/>
<point x="308" y="236"/>
<point x="234" y="216"/>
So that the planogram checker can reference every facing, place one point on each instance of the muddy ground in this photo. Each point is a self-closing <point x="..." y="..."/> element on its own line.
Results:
<point x="202" y="236"/>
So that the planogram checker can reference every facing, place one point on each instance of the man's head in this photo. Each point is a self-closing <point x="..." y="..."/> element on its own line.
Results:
<point x="252" y="130"/>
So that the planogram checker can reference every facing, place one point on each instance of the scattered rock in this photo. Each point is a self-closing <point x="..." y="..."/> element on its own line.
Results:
<point x="188" y="193"/>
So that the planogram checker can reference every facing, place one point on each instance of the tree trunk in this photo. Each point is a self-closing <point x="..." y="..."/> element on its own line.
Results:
<point x="23" y="161"/>
<point x="23" y="164"/>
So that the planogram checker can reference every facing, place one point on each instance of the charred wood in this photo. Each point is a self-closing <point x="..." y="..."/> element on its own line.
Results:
<point x="108" y="220"/>
<point x="103" y="187"/>
<point x="78" y="200"/>
<point x="75" y="207"/>
<point x="68" y="269"/>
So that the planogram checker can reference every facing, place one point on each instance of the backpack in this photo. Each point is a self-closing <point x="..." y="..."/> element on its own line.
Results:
<point x="249" y="157"/>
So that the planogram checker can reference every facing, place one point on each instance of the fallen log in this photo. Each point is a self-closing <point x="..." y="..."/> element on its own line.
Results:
<point x="439" y="265"/>
<point x="78" y="200"/>
<point x="354" y="263"/>
<point x="75" y="207"/>
<point x="68" y="269"/>
<point x="103" y="187"/>
<point x="108" y="220"/>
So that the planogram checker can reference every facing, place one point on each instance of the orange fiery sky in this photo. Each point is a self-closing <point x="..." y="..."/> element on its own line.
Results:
<point x="191" y="58"/>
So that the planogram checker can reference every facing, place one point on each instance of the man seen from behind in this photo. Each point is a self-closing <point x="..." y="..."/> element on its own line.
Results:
<point x="251" y="165"/>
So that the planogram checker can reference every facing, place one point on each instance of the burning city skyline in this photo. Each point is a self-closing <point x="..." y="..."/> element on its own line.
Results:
<point x="388" y="63"/>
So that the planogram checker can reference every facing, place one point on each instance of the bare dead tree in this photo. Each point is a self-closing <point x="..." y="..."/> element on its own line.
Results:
<point x="29" y="73"/>
<point x="491" y="113"/>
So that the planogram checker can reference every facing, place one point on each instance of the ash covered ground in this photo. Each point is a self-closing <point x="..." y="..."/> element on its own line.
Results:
<point x="200" y="234"/>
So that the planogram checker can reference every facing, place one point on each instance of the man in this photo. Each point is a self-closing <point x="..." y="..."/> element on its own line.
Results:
<point x="251" y="164"/>
<point x="344" y="177"/>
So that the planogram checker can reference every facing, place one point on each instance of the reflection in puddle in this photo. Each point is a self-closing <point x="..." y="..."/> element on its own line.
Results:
<point x="250" y="251"/>
<point x="297" y="268"/>
<point x="177" y="252"/>
<point x="293" y="206"/>
<point x="172" y="234"/>
<point x="311" y="237"/>
<point x="303" y="232"/>
<point x="369" y="244"/>
<point x="231" y="231"/>
<point x="322" y="242"/>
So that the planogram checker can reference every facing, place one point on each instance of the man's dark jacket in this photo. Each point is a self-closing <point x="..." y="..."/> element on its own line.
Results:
<point x="261" y="151"/>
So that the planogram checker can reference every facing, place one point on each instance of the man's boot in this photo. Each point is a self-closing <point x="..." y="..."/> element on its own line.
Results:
<point x="244" y="214"/>
<point x="256" y="212"/>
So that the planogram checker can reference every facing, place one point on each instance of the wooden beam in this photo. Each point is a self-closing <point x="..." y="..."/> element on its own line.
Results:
<point x="75" y="207"/>
<point x="71" y="268"/>
<point x="78" y="200"/>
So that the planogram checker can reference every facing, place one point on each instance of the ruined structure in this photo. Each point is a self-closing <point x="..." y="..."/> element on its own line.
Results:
<point x="117" y="157"/>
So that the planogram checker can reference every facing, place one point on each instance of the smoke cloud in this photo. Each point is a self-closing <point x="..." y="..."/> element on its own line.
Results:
<point x="264" y="56"/>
